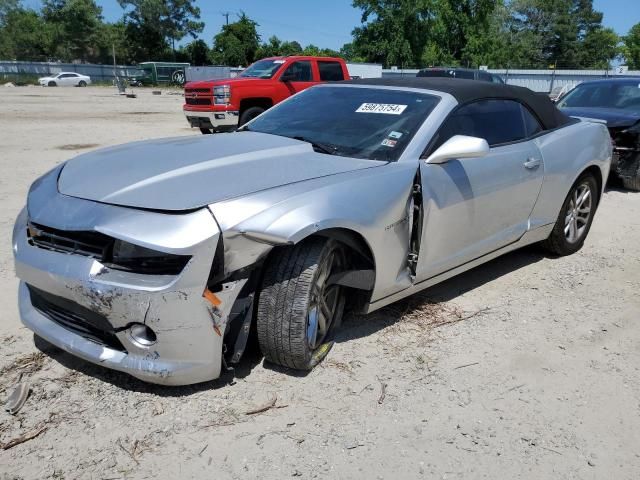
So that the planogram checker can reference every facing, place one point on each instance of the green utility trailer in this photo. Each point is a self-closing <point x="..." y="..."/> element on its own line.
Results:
<point x="159" y="73"/>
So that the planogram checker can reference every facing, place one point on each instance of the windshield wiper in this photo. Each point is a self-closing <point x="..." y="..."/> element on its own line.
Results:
<point x="318" y="147"/>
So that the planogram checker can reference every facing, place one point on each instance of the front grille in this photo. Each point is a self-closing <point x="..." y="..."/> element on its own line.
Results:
<point x="75" y="318"/>
<point x="198" y="101"/>
<point x="197" y="90"/>
<point x="89" y="244"/>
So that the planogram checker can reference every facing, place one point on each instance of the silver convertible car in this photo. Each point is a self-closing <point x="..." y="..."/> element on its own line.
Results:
<point x="159" y="258"/>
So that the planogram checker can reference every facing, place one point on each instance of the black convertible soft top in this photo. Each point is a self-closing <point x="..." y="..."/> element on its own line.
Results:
<point x="466" y="91"/>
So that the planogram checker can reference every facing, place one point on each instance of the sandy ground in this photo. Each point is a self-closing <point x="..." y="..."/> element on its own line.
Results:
<point x="527" y="367"/>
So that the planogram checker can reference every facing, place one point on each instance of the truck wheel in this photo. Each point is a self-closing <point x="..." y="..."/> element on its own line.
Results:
<point x="249" y="114"/>
<point x="631" y="183"/>
<point x="52" y="84"/>
<point x="206" y="131"/>
<point x="298" y="311"/>
<point x="574" y="221"/>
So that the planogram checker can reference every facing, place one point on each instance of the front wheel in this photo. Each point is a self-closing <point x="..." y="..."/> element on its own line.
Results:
<point x="249" y="114"/>
<point x="53" y="84"/>
<point x="299" y="309"/>
<point x="574" y="221"/>
<point x="206" y="131"/>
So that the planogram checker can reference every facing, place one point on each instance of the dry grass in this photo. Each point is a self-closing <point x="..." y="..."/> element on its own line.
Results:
<point x="24" y="365"/>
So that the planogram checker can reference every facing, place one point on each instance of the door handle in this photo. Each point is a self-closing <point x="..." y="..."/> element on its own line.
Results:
<point x="532" y="163"/>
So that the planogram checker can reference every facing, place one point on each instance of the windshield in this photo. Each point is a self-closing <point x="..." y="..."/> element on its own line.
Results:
<point x="369" y="123"/>
<point x="625" y="96"/>
<point x="262" y="69"/>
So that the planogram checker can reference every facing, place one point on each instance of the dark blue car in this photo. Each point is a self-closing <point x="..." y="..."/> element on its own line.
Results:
<point x="617" y="102"/>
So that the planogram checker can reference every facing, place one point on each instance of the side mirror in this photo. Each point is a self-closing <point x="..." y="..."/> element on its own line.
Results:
<point x="459" y="146"/>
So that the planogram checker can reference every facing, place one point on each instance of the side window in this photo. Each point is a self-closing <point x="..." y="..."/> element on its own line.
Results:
<point x="301" y="71"/>
<point x="531" y="124"/>
<point x="497" y="121"/>
<point x="464" y="74"/>
<point x="330" y="71"/>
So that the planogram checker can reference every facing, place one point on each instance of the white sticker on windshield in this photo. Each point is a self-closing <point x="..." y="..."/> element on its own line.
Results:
<point x="278" y="61"/>
<point x="388" y="108"/>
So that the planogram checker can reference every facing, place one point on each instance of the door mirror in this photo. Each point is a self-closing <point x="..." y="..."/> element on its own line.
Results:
<point x="459" y="146"/>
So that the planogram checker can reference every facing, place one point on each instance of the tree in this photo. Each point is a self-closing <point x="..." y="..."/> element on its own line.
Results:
<point x="24" y="35"/>
<point x="197" y="53"/>
<point x="155" y="25"/>
<point x="7" y="6"/>
<point x="237" y="43"/>
<point x="562" y="33"/>
<point x="631" y="48"/>
<point x="414" y="33"/>
<point x="76" y="26"/>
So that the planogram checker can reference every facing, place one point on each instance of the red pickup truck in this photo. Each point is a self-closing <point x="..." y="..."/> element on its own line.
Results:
<point x="223" y="105"/>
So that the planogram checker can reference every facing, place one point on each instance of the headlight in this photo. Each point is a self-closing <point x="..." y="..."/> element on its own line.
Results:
<point x="222" y="95"/>
<point x="129" y="257"/>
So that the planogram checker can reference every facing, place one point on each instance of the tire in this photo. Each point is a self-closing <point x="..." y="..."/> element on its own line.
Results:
<point x="288" y="318"/>
<point x="206" y="131"/>
<point x="249" y="114"/>
<point x="631" y="183"/>
<point x="82" y="83"/>
<point x="573" y="224"/>
<point x="52" y="84"/>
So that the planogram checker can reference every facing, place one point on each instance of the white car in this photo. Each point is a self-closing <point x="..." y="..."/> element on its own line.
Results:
<point x="65" y="79"/>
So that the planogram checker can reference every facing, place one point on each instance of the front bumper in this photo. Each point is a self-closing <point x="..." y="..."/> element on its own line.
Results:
<point x="188" y="329"/>
<point x="218" y="121"/>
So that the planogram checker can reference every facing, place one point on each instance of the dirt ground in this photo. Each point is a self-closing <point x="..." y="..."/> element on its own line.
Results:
<point x="527" y="367"/>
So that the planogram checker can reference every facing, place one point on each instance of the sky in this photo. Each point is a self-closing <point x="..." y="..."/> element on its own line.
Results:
<point x="327" y="23"/>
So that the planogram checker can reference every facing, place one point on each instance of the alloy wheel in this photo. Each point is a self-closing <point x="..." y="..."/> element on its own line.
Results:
<point x="578" y="213"/>
<point x="324" y="302"/>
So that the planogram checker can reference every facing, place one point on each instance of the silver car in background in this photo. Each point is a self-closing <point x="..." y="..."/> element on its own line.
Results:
<point x="159" y="258"/>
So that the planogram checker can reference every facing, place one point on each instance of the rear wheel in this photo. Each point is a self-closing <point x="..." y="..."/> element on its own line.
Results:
<point x="574" y="221"/>
<point x="82" y="83"/>
<point x="249" y="114"/>
<point x="631" y="183"/>
<point x="298" y="309"/>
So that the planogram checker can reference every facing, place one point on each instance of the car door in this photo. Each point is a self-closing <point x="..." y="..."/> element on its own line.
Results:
<point x="67" y="79"/>
<point x="474" y="206"/>
<point x="297" y="76"/>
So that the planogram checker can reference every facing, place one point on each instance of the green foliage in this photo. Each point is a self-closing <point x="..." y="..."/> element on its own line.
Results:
<point x="24" y="35"/>
<point x="631" y="48"/>
<point x="155" y="25"/>
<point x="406" y="33"/>
<point x="196" y="53"/>
<point x="499" y="33"/>
<point x="237" y="44"/>
<point x="76" y="26"/>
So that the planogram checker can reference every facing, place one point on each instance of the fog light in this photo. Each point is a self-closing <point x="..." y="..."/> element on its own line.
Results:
<point x="142" y="334"/>
<point x="219" y="116"/>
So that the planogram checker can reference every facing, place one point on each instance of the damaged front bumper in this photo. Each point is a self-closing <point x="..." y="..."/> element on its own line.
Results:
<point x="97" y="313"/>
<point x="626" y="151"/>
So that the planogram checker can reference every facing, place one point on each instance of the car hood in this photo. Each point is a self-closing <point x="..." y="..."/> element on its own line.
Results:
<point x="613" y="116"/>
<point x="190" y="172"/>
<point x="224" y="81"/>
